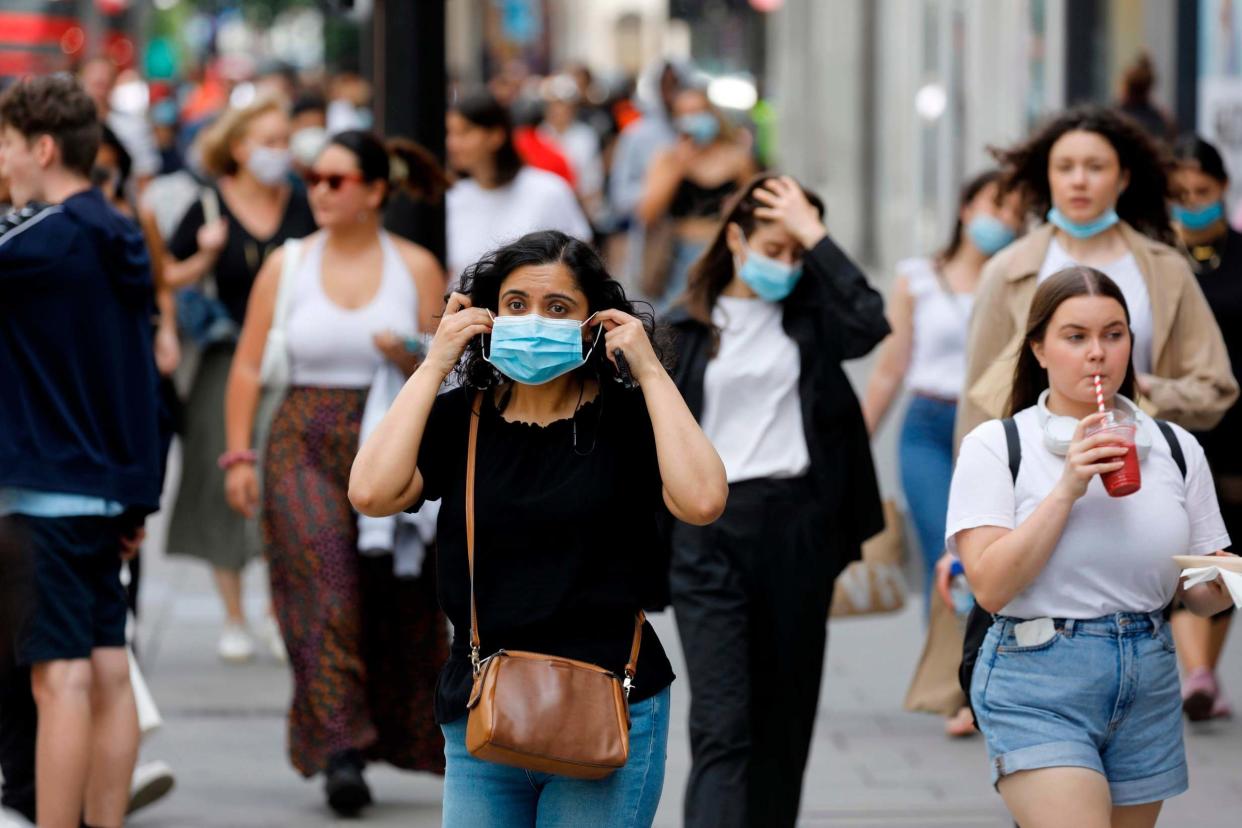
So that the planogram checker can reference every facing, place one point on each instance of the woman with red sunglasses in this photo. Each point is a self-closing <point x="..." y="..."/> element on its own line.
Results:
<point x="364" y="643"/>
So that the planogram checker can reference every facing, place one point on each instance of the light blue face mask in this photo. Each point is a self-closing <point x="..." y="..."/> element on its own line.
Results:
<point x="1200" y="218"/>
<point x="989" y="234"/>
<point x="771" y="280"/>
<point x="532" y="349"/>
<point x="1084" y="231"/>
<point x="702" y="127"/>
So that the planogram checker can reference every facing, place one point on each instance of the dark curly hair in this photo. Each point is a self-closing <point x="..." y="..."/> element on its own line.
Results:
<point x="1143" y="203"/>
<point x="482" y="281"/>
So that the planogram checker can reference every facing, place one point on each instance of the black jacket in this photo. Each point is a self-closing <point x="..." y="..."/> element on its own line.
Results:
<point x="833" y="315"/>
<point x="77" y="375"/>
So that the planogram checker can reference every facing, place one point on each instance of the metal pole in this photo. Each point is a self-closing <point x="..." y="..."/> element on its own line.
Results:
<point x="411" y="87"/>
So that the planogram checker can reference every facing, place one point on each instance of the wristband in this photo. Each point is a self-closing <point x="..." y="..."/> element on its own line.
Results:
<point x="231" y="458"/>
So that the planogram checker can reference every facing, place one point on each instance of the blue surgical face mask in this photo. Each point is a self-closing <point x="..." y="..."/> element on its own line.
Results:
<point x="1200" y="218"/>
<point x="532" y="349"/>
<point x="771" y="280"/>
<point x="1084" y="231"/>
<point x="701" y="127"/>
<point x="989" y="234"/>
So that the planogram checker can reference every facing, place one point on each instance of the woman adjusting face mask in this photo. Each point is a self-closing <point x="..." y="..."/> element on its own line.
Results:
<point x="771" y="279"/>
<point x="532" y="349"/>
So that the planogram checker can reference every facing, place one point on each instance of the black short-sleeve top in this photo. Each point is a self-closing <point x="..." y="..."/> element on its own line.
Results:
<point x="566" y="544"/>
<point x="243" y="254"/>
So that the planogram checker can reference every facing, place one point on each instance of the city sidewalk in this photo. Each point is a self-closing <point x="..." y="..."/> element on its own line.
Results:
<point x="872" y="764"/>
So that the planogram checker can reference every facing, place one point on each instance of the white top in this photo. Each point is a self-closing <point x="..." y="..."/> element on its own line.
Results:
<point x="331" y="346"/>
<point x="752" y="411"/>
<point x="941" y="317"/>
<point x="1125" y="272"/>
<point x="481" y="220"/>
<point x="1115" y="552"/>
<point x="581" y="146"/>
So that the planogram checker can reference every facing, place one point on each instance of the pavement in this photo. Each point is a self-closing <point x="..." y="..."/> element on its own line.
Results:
<point x="872" y="764"/>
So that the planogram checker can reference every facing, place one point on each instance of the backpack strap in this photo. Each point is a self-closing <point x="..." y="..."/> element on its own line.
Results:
<point x="1175" y="445"/>
<point x="1014" y="445"/>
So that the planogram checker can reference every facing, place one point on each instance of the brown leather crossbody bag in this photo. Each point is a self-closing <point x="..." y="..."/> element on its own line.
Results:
<point x="542" y="712"/>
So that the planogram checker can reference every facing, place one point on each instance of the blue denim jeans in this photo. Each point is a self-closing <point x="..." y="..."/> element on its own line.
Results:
<point x="1101" y="694"/>
<point x="479" y="794"/>
<point x="926" y="450"/>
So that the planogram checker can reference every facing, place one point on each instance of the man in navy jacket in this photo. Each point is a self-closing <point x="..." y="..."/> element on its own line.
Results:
<point x="79" y="446"/>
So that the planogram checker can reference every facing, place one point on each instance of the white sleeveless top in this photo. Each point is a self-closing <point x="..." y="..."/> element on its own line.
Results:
<point x="938" y="357"/>
<point x="331" y="346"/>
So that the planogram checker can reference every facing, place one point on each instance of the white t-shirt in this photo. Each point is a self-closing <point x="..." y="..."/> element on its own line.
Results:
<point x="1125" y="272"/>
<point x="481" y="220"/>
<point x="1115" y="554"/>
<point x="938" y="356"/>
<point x="752" y="411"/>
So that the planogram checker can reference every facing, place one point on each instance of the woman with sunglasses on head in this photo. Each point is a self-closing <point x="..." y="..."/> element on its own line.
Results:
<point x="574" y="468"/>
<point x="1199" y="184"/>
<point x="220" y="245"/>
<point x="363" y="644"/>
<point x="773" y="309"/>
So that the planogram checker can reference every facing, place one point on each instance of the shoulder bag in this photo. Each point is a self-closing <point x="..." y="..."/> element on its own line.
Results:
<point x="274" y="369"/>
<point x="541" y="712"/>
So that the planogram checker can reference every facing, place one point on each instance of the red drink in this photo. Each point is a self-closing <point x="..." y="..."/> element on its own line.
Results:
<point x="1126" y="480"/>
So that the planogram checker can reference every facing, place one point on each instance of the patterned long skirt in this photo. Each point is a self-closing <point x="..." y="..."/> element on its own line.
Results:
<point x="365" y="646"/>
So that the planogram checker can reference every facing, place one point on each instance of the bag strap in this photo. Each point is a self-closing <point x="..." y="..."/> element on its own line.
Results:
<point x="209" y="200"/>
<point x="472" y="450"/>
<point x="284" y="292"/>
<point x="1014" y="445"/>
<point x="1175" y="445"/>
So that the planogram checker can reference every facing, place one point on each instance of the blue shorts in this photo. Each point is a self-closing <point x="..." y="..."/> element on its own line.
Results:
<point x="1101" y="694"/>
<point x="76" y="600"/>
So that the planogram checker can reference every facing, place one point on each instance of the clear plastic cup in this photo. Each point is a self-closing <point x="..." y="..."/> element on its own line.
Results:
<point x="1122" y="426"/>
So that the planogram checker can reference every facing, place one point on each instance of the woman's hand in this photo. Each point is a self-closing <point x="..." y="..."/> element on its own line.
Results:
<point x="626" y="334"/>
<point x="212" y="236"/>
<point x="167" y="349"/>
<point x="393" y="348"/>
<point x="942" y="578"/>
<point x="241" y="489"/>
<point x="1089" y="456"/>
<point x="785" y="202"/>
<point x="461" y="322"/>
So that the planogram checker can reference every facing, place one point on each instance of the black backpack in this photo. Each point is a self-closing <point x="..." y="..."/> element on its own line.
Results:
<point x="980" y="620"/>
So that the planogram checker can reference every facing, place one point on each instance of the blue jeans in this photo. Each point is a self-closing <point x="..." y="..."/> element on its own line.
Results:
<point x="926" y="450"/>
<point x="1101" y="694"/>
<point x="479" y="794"/>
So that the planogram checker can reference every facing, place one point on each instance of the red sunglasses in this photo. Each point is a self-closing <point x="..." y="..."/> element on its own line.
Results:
<point x="334" y="180"/>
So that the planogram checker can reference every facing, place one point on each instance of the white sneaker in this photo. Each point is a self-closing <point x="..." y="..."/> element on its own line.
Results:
<point x="151" y="783"/>
<point x="270" y="633"/>
<point x="235" y="644"/>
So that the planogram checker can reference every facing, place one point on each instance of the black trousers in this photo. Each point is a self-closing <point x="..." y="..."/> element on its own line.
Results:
<point x="751" y="595"/>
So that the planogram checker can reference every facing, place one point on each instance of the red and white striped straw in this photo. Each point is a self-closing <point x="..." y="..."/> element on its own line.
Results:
<point x="1099" y="394"/>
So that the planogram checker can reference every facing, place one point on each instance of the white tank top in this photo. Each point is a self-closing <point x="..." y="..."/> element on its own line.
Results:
<point x="938" y="357"/>
<point x="331" y="346"/>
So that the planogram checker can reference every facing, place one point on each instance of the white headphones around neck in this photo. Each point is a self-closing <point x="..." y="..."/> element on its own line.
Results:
<point x="1059" y="429"/>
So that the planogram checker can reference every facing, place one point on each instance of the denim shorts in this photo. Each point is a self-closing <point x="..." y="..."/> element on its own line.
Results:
<point x="1101" y="694"/>
<point x="479" y="794"/>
